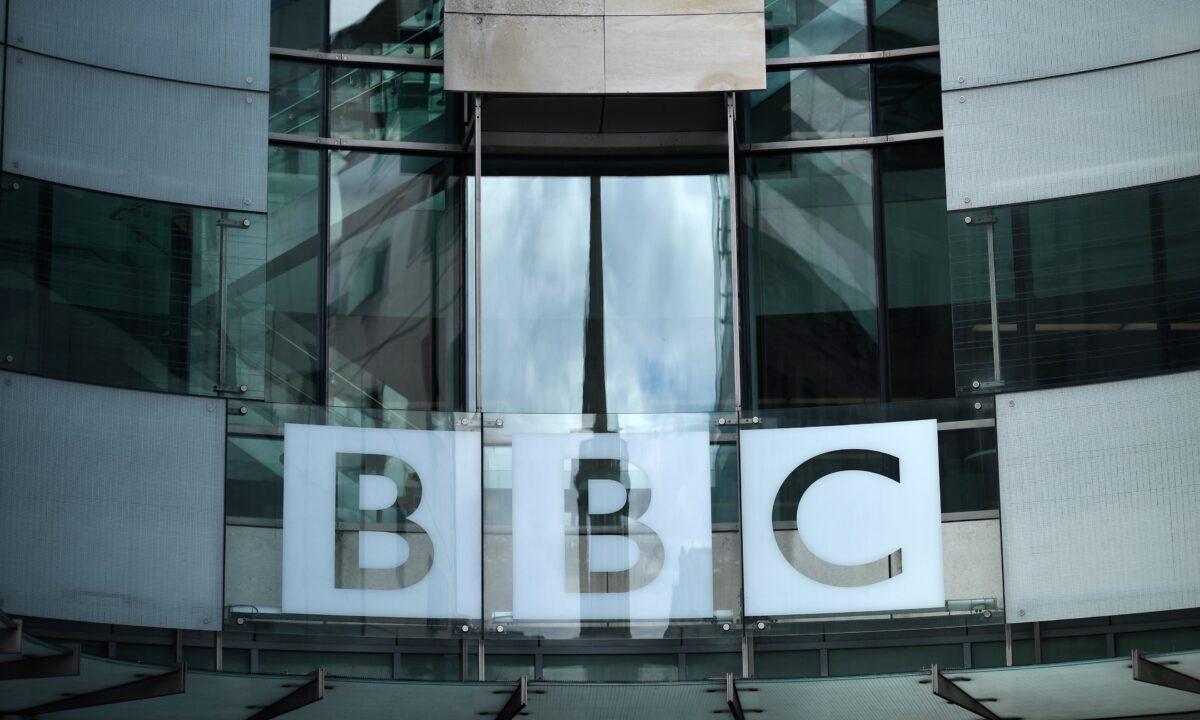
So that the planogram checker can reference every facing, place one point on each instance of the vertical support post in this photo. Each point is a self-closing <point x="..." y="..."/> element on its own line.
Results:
<point x="478" y="140"/>
<point x="1008" y="645"/>
<point x="1037" y="643"/>
<point x="223" y="302"/>
<point x="995" y="308"/>
<point x="219" y="651"/>
<point x="731" y="139"/>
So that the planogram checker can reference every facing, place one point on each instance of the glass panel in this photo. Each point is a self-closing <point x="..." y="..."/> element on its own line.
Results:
<point x="810" y="104"/>
<point x="797" y="28"/>
<point x="235" y="661"/>
<point x="604" y="526"/>
<point x="254" y="478"/>
<point x="298" y="24"/>
<point x="913" y="189"/>
<point x="292" y="275"/>
<point x="143" y="653"/>
<point x="991" y="654"/>
<point x="811" y="285"/>
<point x="610" y="668"/>
<point x="397" y="28"/>
<point x="787" y="664"/>
<point x="414" y="666"/>
<point x="708" y="665"/>
<point x="878" y="661"/>
<point x="1066" y="649"/>
<point x="1172" y="640"/>
<point x="970" y="475"/>
<point x="199" y="658"/>
<point x="575" y="292"/>
<point x="109" y="290"/>
<point x="909" y="96"/>
<point x="905" y="23"/>
<point x="1087" y="288"/>
<point x="382" y="104"/>
<point x="297" y="98"/>
<point x="395" y="282"/>
<point x="342" y="664"/>
<point x="509" y="667"/>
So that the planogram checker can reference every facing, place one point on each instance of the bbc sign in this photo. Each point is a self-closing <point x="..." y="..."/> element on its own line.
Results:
<point x="611" y="526"/>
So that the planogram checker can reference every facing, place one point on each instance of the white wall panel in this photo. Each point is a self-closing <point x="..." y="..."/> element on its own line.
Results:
<point x="133" y="135"/>
<point x="111" y="504"/>
<point x="1073" y="135"/>
<point x="1100" y="498"/>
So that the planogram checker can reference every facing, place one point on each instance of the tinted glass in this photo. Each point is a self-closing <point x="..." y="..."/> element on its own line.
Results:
<point x="787" y="664"/>
<point x="908" y="95"/>
<point x="610" y="668"/>
<point x="967" y="464"/>
<point x="397" y="28"/>
<point x="380" y="104"/>
<point x="905" y="23"/>
<point x="297" y="98"/>
<point x="811" y="287"/>
<point x="797" y="28"/>
<point x="395" y="282"/>
<point x="109" y="290"/>
<point x="877" y="661"/>
<point x="298" y="24"/>
<point x="609" y="293"/>
<point x="810" y="104"/>
<point x="913" y="189"/>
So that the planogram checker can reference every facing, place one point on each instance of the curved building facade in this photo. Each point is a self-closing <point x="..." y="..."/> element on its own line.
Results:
<point x="591" y="358"/>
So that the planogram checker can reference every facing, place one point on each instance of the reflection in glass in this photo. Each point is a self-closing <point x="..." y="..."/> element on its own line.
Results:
<point x="796" y="28"/>
<point x="1096" y="287"/>
<point x="108" y="290"/>
<point x="298" y="24"/>
<point x="913" y="189"/>
<point x="396" y="28"/>
<point x="610" y="668"/>
<point x="811" y="284"/>
<point x="810" y="104"/>
<point x="395" y="282"/>
<point x="297" y="98"/>
<point x="905" y="23"/>
<point x="382" y="104"/>
<point x="908" y="95"/>
<point x="607" y="293"/>
<point x="969" y="474"/>
<point x="254" y="479"/>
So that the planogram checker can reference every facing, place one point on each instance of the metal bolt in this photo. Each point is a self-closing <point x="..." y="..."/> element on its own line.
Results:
<point x="8" y="358"/>
<point x="754" y="420"/>
<point x="967" y="201"/>
<point x="243" y="388"/>
<point x="246" y="201"/>
<point x="499" y="628"/>
<point x="463" y="422"/>
<point x="243" y="410"/>
<point x="241" y="621"/>
<point x="246" y="222"/>
<point x="975" y="384"/>
<point x="1012" y="403"/>
<point x="16" y="186"/>
<point x="466" y="628"/>
<point x="16" y="164"/>
<point x="499" y="423"/>
<point x="968" y="220"/>
<point x="726" y="627"/>
<point x="249" y="100"/>
<point x="1021" y="613"/>
<point x="721" y="421"/>
<point x="250" y="80"/>
<point x="761" y="625"/>
<point x="978" y="406"/>
<point x="204" y="620"/>
<point x="211" y="407"/>
<point x="962" y="99"/>
<point x="961" y="79"/>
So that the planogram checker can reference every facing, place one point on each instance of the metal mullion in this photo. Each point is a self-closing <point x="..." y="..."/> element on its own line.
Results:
<point x="883" y="347"/>
<point x="379" y="61"/>
<point x="378" y="146"/>
<point x="788" y="63"/>
<point x="840" y="143"/>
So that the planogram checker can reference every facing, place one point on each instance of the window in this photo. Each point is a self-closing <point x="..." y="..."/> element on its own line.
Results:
<point x="796" y="28"/>
<point x="810" y="104"/>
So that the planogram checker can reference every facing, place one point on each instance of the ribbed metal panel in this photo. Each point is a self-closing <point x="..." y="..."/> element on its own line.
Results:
<point x="111" y="504"/>
<point x="1073" y="135"/>
<point x="984" y="42"/>
<point x="132" y="135"/>
<point x="215" y="42"/>
<point x="1100" y="492"/>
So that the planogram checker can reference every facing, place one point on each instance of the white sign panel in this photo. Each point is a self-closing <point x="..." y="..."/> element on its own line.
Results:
<point x="381" y="523"/>
<point x="865" y="503"/>
<point x="657" y="564"/>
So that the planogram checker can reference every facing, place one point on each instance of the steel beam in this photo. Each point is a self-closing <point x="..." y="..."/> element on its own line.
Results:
<point x="169" y="683"/>
<point x="944" y="688"/>
<point x="43" y="666"/>
<point x="306" y="694"/>
<point x="516" y="701"/>
<point x="10" y="639"/>
<point x="732" y="699"/>
<point x="1154" y="673"/>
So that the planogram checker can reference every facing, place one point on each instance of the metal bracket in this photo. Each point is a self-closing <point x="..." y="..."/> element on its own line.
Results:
<point x="10" y="639"/>
<point x="42" y="666"/>
<point x="306" y="694"/>
<point x="944" y="688"/>
<point x="239" y="390"/>
<point x="1155" y="673"/>
<point x="980" y="220"/>
<point x="169" y="683"/>
<point x="733" y="699"/>
<point x="231" y="223"/>
<point x="516" y="701"/>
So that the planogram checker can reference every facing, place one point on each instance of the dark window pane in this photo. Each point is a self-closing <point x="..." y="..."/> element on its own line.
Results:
<point x="810" y="104"/>
<point x="144" y="653"/>
<point x="877" y="661"/>
<point x="992" y="654"/>
<point x="416" y="666"/>
<point x="918" y="270"/>
<point x="1173" y="640"/>
<point x="235" y="660"/>
<point x="796" y="28"/>
<point x="292" y="275"/>
<point x="610" y="668"/>
<point x="1089" y="288"/>
<point x="342" y="664"/>
<point x="811" y="279"/>
<point x="787" y="664"/>
<point x="508" y="667"/>
<point x="395" y="282"/>
<point x="379" y="104"/>
<point x="905" y="23"/>
<point x="297" y="98"/>
<point x="706" y="665"/>
<point x="1066" y="649"/>
<point x="199" y="658"/>
<point x="969" y="474"/>
<point x="109" y="290"/>
<point x="254" y="478"/>
<point x="397" y="28"/>
<point x="909" y="96"/>
<point x="298" y="24"/>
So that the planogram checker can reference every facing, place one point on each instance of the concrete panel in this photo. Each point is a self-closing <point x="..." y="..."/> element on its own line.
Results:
<point x="132" y="135"/>
<point x="984" y="42"/>
<point x="1100" y="490"/>
<point x="1073" y="135"/>
<point x="684" y="53"/>
<point x="526" y="7"/>
<point x="681" y="7"/>
<point x="112" y="504"/>
<point x="525" y="54"/>
<point x="972" y="560"/>
<point x="254" y="567"/>
<point x="214" y="42"/>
